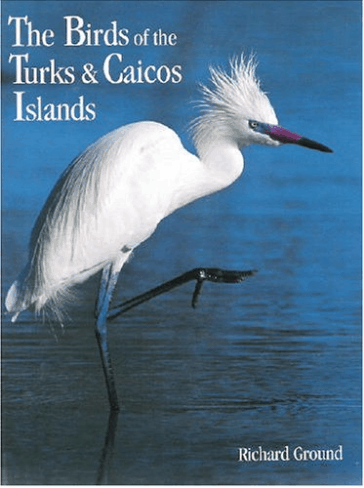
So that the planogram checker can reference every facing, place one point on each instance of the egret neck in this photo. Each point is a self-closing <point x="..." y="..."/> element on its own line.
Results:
<point x="223" y="162"/>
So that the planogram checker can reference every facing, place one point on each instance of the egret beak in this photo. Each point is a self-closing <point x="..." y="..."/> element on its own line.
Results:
<point x="287" y="137"/>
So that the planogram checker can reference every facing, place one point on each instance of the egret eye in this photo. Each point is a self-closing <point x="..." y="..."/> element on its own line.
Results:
<point x="253" y="124"/>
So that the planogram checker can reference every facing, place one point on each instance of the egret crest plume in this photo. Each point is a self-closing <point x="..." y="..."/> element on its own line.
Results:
<point x="232" y="99"/>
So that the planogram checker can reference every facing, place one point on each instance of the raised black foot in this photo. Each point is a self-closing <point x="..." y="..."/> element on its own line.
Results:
<point x="216" y="275"/>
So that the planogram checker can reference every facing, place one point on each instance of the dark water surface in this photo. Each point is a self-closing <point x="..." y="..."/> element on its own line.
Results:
<point x="272" y="362"/>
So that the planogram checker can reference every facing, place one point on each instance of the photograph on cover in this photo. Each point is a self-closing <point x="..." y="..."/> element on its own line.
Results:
<point x="181" y="210"/>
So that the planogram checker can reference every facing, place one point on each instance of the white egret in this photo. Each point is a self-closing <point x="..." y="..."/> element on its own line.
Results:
<point x="112" y="197"/>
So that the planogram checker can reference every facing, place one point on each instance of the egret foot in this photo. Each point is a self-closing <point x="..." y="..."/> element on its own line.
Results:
<point x="216" y="275"/>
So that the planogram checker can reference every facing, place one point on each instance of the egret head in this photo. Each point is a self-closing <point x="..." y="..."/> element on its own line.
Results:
<point x="236" y="109"/>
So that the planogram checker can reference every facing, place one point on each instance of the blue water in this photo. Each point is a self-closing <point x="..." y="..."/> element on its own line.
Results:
<point x="273" y="362"/>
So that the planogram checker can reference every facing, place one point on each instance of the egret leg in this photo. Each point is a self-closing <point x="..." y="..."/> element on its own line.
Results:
<point x="108" y="281"/>
<point x="216" y="275"/>
<point x="102" y="289"/>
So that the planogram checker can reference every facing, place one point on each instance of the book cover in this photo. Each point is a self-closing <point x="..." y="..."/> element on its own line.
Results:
<point x="260" y="382"/>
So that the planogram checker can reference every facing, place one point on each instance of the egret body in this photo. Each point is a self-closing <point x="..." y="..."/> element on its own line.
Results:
<point x="112" y="197"/>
